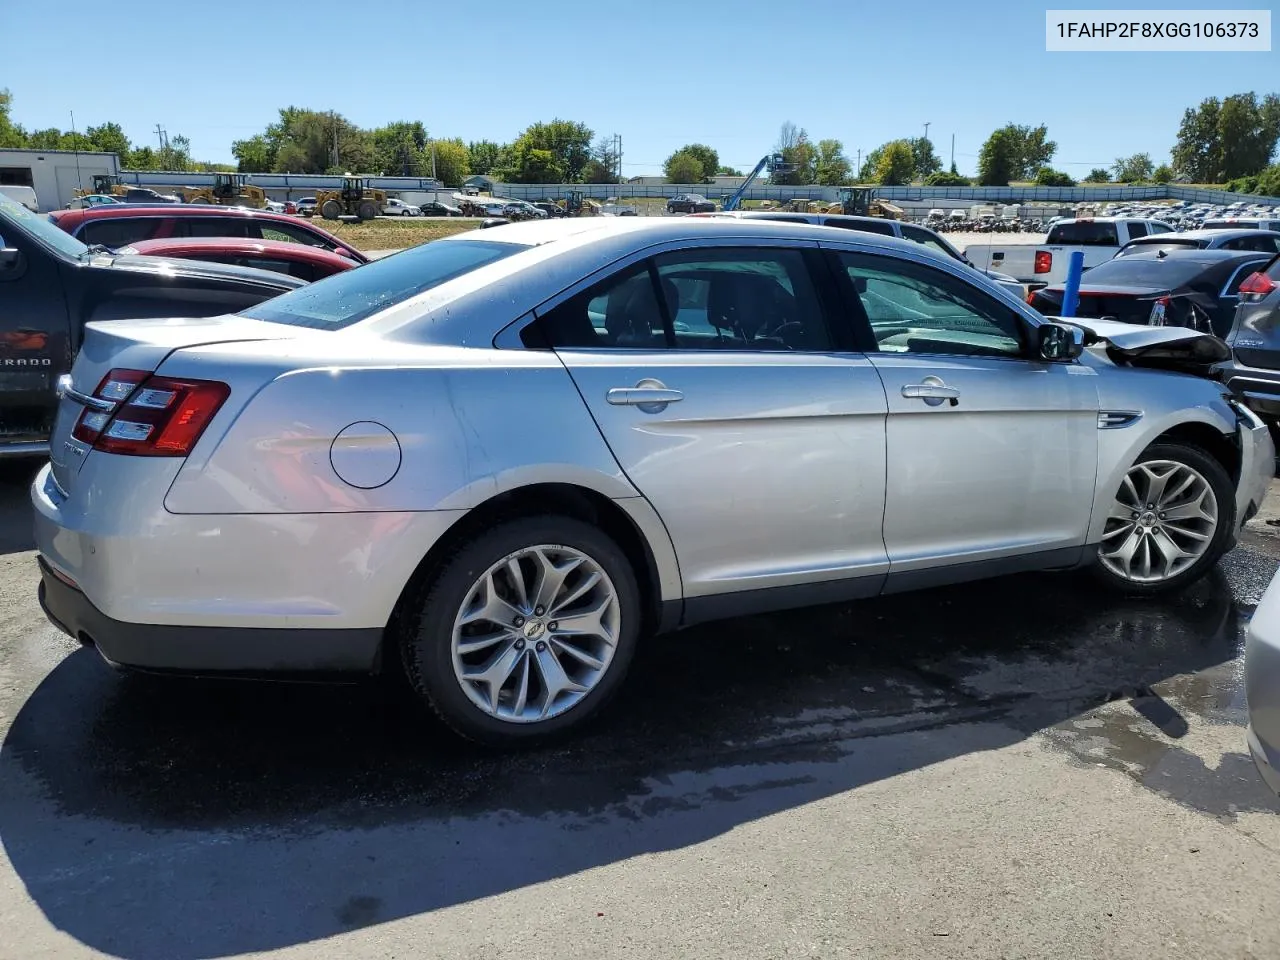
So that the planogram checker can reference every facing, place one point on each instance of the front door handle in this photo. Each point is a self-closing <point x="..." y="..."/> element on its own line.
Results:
<point x="932" y="391"/>
<point x="651" y="396"/>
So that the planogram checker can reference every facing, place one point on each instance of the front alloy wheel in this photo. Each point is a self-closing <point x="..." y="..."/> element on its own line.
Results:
<point x="1169" y="521"/>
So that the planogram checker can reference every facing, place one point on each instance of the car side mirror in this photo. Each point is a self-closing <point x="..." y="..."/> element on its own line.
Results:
<point x="1060" y="341"/>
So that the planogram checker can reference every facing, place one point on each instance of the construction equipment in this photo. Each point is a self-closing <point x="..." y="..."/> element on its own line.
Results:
<point x="576" y="204"/>
<point x="105" y="185"/>
<point x="775" y="163"/>
<point x="355" y="199"/>
<point x="228" y="190"/>
<point x="861" y="202"/>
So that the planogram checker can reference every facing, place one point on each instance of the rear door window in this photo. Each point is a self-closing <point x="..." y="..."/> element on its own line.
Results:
<point x="1137" y="230"/>
<point x="274" y="230"/>
<point x="119" y="231"/>
<point x="927" y="239"/>
<point x="1084" y="233"/>
<point x="218" y="227"/>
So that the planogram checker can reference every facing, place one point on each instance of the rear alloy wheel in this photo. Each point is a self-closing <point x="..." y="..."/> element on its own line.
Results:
<point x="1170" y="520"/>
<point x="526" y="631"/>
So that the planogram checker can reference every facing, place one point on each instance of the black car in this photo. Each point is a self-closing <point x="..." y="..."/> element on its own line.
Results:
<point x="1263" y="241"/>
<point x="1253" y="372"/>
<point x="51" y="285"/>
<point x="690" y="203"/>
<point x="147" y="195"/>
<point x="1158" y="287"/>
<point x="434" y="208"/>
<point x="550" y="209"/>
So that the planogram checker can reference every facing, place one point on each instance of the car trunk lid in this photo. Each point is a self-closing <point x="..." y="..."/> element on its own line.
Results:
<point x="133" y="345"/>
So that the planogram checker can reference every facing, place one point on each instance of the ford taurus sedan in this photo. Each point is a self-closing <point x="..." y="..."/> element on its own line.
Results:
<point x="504" y="457"/>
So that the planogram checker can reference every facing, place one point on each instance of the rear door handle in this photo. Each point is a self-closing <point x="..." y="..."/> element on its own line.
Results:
<point x="640" y="396"/>
<point x="933" y="391"/>
<point x="651" y="396"/>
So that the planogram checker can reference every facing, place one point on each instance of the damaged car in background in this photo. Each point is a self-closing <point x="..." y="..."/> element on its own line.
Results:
<point x="503" y="458"/>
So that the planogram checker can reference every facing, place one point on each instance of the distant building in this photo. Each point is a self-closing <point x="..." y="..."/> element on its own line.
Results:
<point x="480" y="182"/>
<point x="55" y="175"/>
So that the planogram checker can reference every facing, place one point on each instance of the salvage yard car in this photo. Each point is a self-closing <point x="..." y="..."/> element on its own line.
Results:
<point x="296" y="259"/>
<point x="504" y="457"/>
<point x="51" y="284"/>
<point x="1039" y="265"/>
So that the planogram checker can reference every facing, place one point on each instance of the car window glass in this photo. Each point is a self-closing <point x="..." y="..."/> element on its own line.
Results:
<point x="866" y="226"/>
<point x="1161" y="228"/>
<point x="1084" y="233"/>
<point x="917" y="309"/>
<point x="619" y="312"/>
<point x="925" y="238"/>
<point x="1137" y="230"/>
<point x="745" y="299"/>
<point x="119" y="232"/>
<point x="217" y="227"/>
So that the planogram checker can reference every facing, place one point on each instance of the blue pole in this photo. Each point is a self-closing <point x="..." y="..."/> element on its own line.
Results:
<point x="1071" y="294"/>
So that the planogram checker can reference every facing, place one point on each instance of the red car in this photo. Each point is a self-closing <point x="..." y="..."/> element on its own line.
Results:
<point x="119" y="225"/>
<point x="283" y="256"/>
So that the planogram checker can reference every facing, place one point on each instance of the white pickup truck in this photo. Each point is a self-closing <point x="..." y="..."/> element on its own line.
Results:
<point x="1040" y="264"/>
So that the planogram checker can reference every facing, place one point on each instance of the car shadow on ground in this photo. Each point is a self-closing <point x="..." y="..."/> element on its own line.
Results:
<point x="162" y="818"/>
<point x="15" y="507"/>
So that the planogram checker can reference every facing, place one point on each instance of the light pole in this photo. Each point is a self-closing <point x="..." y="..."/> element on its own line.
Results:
<point x="926" y="129"/>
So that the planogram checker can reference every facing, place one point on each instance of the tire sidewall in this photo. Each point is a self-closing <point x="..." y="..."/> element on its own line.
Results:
<point x="426" y="646"/>
<point x="1225" y="492"/>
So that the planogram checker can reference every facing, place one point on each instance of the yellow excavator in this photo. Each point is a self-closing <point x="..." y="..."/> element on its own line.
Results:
<point x="104" y="185"/>
<point x="861" y="202"/>
<point x="355" y="199"/>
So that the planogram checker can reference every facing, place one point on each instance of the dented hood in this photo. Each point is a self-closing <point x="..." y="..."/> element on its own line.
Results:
<point x="1135" y="345"/>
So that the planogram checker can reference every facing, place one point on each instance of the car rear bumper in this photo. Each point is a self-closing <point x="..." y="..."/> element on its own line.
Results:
<point x="1257" y="387"/>
<point x="184" y="649"/>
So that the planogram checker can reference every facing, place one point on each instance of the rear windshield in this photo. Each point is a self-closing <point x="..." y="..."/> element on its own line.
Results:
<point x="1085" y="233"/>
<point x="349" y="297"/>
<point x="1231" y="225"/>
<point x="1164" y="243"/>
<point x="1165" y="274"/>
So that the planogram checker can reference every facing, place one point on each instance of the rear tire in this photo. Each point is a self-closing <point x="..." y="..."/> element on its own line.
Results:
<point x="331" y="210"/>
<point x="580" y="638"/>
<point x="1170" y="522"/>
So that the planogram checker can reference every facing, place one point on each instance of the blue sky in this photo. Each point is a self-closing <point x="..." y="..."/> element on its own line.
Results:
<point x="660" y="74"/>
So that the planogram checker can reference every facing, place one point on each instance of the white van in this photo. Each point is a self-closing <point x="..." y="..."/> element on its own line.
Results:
<point x="23" y="195"/>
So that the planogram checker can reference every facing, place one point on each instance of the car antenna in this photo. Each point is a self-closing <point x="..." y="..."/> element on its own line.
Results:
<point x="1161" y="253"/>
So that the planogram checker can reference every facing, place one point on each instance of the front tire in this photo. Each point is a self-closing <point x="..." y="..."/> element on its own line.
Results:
<point x="331" y="210"/>
<point x="525" y="632"/>
<point x="1169" y="523"/>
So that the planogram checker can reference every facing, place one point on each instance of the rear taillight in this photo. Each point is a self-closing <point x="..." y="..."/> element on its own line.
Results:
<point x="1044" y="261"/>
<point x="1257" y="285"/>
<point x="151" y="416"/>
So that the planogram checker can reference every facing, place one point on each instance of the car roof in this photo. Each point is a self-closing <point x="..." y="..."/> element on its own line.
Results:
<point x="1189" y="253"/>
<point x="286" y="249"/>
<point x="1209" y="234"/>
<point x="170" y="209"/>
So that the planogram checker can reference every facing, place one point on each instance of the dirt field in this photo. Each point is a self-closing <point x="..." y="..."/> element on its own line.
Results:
<point x="387" y="233"/>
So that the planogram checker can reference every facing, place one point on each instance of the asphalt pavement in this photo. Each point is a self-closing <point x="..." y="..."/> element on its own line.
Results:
<point x="1026" y="767"/>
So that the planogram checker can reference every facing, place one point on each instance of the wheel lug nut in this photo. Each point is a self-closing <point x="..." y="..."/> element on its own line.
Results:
<point x="541" y="646"/>
<point x="1162" y="516"/>
<point x="519" y="644"/>
<point x="539" y="611"/>
<point x="553" y="626"/>
<point x="1134" y="515"/>
<point x="519" y="621"/>
<point x="1151" y="506"/>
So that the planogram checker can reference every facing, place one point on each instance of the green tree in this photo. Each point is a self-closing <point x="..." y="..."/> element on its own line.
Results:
<point x="1162" y="173"/>
<point x="897" y="164"/>
<point x="1248" y="131"/>
<point x="11" y="135"/>
<point x="569" y="146"/>
<point x="1000" y="159"/>
<point x="108" y="138"/>
<point x="709" y="159"/>
<point x="867" y="173"/>
<point x="453" y="161"/>
<point x="799" y="152"/>
<point x="1133" y="169"/>
<point x="397" y="149"/>
<point x="603" y="165"/>
<point x="255" y="155"/>
<point x="831" y="165"/>
<point x="485" y="156"/>
<point x="724" y="171"/>
<point x="1098" y="175"/>
<point x="682" y="168"/>
<point x="1022" y="150"/>
<point x="1048" y="177"/>
<point x="946" y="178"/>
<point x="926" y="161"/>
<point x="1197" y="154"/>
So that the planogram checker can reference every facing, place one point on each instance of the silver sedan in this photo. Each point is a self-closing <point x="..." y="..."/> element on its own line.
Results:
<point x="505" y="457"/>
